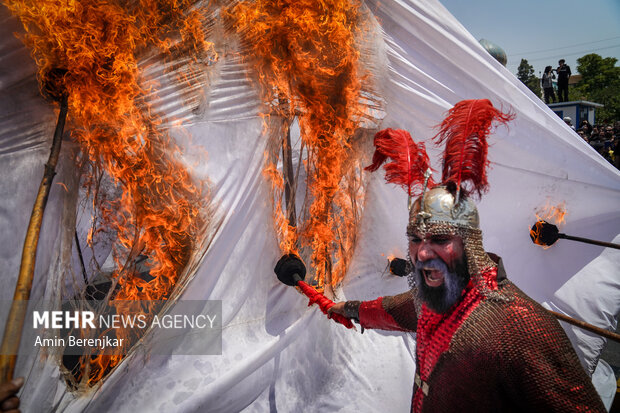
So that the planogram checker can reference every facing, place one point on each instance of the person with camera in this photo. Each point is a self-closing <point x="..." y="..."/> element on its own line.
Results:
<point x="547" y="84"/>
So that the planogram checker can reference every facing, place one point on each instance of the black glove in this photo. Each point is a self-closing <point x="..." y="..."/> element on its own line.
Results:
<point x="290" y="269"/>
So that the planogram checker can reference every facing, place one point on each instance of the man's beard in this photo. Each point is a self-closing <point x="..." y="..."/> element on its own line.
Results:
<point x="441" y="299"/>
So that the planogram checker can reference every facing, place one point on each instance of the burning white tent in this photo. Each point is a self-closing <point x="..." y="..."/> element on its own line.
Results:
<point x="277" y="354"/>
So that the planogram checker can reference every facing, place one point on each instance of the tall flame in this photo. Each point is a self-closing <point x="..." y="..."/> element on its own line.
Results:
<point x="307" y="62"/>
<point x="160" y="210"/>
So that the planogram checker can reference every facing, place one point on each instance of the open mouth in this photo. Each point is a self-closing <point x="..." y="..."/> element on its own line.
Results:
<point x="432" y="277"/>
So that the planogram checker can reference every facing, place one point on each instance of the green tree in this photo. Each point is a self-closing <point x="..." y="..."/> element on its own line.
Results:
<point x="600" y="83"/>
<point x="576" y="94"/>
<point x="525" y="73"/>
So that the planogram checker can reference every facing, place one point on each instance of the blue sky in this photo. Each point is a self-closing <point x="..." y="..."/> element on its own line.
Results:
<point x="543" y="31"/>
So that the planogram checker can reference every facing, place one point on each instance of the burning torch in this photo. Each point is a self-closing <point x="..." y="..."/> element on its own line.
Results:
<point x="291" y="270"/>
<point x="546" y="234"/>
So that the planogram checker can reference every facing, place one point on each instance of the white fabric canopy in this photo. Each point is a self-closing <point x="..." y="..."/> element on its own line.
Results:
<point x="279" y="355"/>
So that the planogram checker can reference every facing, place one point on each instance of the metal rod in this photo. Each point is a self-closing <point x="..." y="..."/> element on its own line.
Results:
<point x="79" y="250"/>
<point x="17" y="314"/>
<point x="590" y="241"/>
<point x="289" y="182"/>
<point x="587" y="326"/>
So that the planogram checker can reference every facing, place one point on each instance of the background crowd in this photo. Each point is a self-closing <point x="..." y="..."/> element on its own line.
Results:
<point x="605" y="138"/>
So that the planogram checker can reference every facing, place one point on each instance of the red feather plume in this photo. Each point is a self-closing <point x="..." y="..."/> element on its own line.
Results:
<point x="465" y="132"/>
<point x="409" y="161"/>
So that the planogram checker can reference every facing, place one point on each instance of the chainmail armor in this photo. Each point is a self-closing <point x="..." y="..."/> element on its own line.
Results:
<point x="509" y="356"/>
<point x="402" y="308"/>
<point x="487" y="355"/>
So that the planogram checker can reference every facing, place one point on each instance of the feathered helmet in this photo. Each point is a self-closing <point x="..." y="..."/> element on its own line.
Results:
<point x="446" y="207"/>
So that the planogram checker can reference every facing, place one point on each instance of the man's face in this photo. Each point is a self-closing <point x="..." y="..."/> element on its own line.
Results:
<point x="440" y="269"/>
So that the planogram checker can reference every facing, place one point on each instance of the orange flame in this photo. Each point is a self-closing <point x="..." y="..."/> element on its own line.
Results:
<point x="307" y="62"/>
<point x="553" y="214"/>
<point x="536" y="234"/>
<point x="160" y="210"/>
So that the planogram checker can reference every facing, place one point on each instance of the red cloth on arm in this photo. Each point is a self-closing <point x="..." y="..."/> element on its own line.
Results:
<point x="324" y="303"/>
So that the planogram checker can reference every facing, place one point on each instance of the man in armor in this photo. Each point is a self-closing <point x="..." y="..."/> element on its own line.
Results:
<point x="482" y="344"/>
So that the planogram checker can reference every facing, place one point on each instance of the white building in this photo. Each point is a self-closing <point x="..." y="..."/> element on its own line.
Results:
<point x="577" y="111"/>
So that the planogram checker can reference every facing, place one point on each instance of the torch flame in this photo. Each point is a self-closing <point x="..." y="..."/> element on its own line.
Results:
<point x="536" y="234"/>
<point x="555" y="214"/>
<point x="549" y="218"/>
<point x="307" y="62"/>
<point x="159" y="211"/>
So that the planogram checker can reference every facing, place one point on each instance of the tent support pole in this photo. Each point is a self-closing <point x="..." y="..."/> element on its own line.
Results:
<point x="17" y="314"/>
<point x="586" y="326"/>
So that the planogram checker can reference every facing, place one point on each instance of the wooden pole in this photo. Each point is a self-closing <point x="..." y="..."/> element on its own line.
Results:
<point x="589" y="241"/>
<point x="17" y="314"/>
<point x="586" y="326"/>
